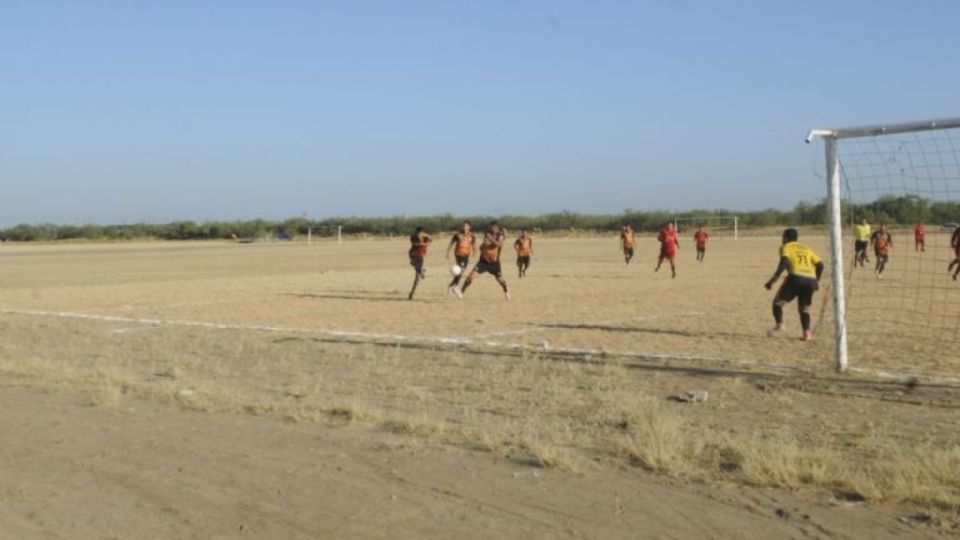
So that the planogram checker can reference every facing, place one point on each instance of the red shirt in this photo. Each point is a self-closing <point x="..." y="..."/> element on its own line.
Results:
<point x="701" y="238"/>
<point x="919" y="231"/>
<point x="668" y="240"/>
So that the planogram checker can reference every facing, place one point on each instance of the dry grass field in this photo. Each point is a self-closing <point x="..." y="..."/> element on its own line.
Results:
<point x="571" y="387"/>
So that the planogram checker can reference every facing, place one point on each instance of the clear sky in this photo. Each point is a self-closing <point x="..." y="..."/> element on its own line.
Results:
<point x="119" y="111"/>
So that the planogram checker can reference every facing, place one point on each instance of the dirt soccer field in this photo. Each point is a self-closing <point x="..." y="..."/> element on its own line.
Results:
<point x="222" y="390"/>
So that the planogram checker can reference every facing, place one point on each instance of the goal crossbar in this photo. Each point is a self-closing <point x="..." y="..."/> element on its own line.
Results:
<point x="830" y="137"/>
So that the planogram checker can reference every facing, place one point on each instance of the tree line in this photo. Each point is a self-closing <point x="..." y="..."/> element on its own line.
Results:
<point x="889" y="209"/>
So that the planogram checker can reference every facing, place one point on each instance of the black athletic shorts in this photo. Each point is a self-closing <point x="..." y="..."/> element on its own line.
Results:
<point x="628" y="251"/>
<point x="524" y="261"/>
<point x="859" y="245"/>
<point x="416" y="261"/>
<point x="492" y="267"/>
<point x="463" y="261"/>
<point x="801" y="288"/>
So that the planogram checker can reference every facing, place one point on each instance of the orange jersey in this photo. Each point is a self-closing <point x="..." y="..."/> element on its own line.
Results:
<point x="490" y="248"/>
<point x="464" y="246"/>
<point x="919" y="232"/>
<point x="523" y="246"/>
<point x="882" y="241"/>
<point x="700" y="237"/>
<point x="629" y="238"/>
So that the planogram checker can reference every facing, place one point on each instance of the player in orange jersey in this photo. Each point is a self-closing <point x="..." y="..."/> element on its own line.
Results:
<point x="463" y="244"/>
<point x="920" y="237"/>
<point x="419" y="241"/>
<point x="882" y="242"/>
<point x="524" y="248"/>
<point x="489" y="261"/>
<point x="700" y="238"/>
<point x="668" y="247"/>
<point x="628" y="241"/>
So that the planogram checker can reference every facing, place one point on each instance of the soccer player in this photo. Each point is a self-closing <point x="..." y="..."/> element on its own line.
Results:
<point x="955" y="244"/>
<point x="919" y="237"/>
<point x="489" y="260"/>
<point x="668" y="248"/>
<point x="882" y="242"/>
<point x="463" y="244"/>
<point x="700" y="238"/>
<point x="524" y="248"/>
<point x="861" y="236"/>
<point x="628" y="240"/>
<point x="804" y="269"/>
<point x="419" y="241"/>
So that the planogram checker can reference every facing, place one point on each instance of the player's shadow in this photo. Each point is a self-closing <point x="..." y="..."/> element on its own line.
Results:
<point x="356" y="295"/>
<point x="641" y="330"/>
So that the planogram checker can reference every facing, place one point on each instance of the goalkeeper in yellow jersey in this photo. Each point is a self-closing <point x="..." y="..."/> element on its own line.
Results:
<point x="804" y="268"/>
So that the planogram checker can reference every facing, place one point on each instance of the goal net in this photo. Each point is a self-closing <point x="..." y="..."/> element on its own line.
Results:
<point x="717" y="226"/>
<point x="896" y="309"/>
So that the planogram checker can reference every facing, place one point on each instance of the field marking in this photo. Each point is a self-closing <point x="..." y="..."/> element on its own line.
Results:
<point x="584" y="354"/>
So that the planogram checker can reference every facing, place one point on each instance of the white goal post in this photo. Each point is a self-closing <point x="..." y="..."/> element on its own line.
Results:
<point x="710" y="222"/>
<point x="890" y="175"/>
<point x="339" y="229"/>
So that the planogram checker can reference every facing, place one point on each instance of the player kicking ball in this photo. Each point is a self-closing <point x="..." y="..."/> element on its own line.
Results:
<point x="804" y="269"/>
<point x="463" y="244"/>
<point x="419" y="241"/>
<point x="668" y="248"/>
<point x="489" y="261"/>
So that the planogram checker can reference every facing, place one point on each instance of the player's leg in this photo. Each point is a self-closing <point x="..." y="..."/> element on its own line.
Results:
<point x="519" y="267"/>
<point x="673" y="268"/>
<point x="785" y="294"/>
<point x="418" y="275"/>
<point x="659" y="262"/>
<point x="804" y="301"/>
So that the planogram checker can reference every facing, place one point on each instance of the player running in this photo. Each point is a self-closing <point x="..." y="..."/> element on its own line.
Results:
<point x="882" y="242"/>
<point x="419" y="241"/>
<point x="700" y="238"/>
<point x="861" y="237"/>
<point x="524" y="248"/>
<point x="955" y="244"/>
<point x="668" y="248"/>
<point x="628" y="240"/>
<point x="489" y="260"/>
<point x="920" y="237"/>
<point x="804" y="269"/>
<point x="463" y="244"/>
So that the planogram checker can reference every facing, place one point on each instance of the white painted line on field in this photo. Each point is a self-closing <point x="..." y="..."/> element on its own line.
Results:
<point x="377" y="337"/>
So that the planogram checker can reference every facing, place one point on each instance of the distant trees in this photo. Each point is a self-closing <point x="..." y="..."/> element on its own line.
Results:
<point x="907" y="209"/>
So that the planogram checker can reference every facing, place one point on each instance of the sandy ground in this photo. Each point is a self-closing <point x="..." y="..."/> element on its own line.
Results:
<point x="204" y="390"/>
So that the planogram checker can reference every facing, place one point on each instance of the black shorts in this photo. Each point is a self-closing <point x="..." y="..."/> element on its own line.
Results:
<point x="859" y="245"/>
<point x="701" y="249"/>
<point x="463" y="261"/>
<point x="801" y="288"/>
<point x="492" y="267"/>
<point x="523" y="261"/>
<point x="628" y="251"/>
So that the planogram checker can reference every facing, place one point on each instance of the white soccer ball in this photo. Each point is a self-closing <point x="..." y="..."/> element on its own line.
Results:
<point x="455" y="270"/>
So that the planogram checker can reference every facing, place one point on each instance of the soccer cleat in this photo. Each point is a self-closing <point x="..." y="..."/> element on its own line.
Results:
<point x="506" y="295"/>
<point x="776" y="330"/>
<point x="456" y="292"/>
<point x="807" y="335"/>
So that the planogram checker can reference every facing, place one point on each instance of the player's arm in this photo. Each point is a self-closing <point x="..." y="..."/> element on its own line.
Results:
<point x="531" y="247"/>
<point x="516" y="245"/>
<point x="781" y="268"/>
<point x="453" y="242"/>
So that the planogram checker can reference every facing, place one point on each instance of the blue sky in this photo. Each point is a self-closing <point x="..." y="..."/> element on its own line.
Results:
<point x="118" y="112"/>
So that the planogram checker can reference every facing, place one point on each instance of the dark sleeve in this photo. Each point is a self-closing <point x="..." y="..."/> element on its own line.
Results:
<point x="819" y="269"/>
<point x="783" y="266"/>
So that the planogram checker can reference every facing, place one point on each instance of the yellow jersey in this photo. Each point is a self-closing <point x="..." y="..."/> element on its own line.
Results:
<point x="801" y="260"/>
<point x="862" y="232"/>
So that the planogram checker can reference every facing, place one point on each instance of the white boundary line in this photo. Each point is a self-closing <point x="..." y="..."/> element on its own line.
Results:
<point x="587" y="354"/>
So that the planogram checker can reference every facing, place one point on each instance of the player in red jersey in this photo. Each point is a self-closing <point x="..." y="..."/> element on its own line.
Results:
<point x="419" y="241"/>
<point x="700" y="238"/>
<point x="668" y="247"/>
<point x="920" y="237"/>
<point x="955" y="244"/>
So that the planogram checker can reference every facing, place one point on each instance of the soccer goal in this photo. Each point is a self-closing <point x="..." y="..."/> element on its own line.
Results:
<point x="718" y="226"/>
<point x="313" y="233"/>
<point x="905" y="177"/>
